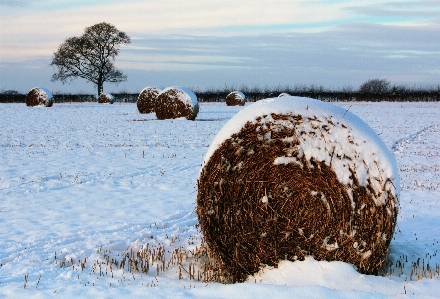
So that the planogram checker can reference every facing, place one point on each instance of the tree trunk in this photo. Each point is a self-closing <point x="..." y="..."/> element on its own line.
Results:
<point x="100" y="84"/>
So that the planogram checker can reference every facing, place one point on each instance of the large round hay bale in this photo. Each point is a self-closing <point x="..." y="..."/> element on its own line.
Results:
<point x="147" y="99"/>
<point x="105" y="98"/>
<point x="235" y="98"/>
<point x="289" y="177"/>
<point x="39" y="97"/>
<point x="176" y="102"/>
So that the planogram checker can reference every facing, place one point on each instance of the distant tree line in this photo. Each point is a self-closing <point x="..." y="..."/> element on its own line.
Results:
<point x="11" y="96"/>
<point x="15" y="97"/>
<point x="375" y="90"/>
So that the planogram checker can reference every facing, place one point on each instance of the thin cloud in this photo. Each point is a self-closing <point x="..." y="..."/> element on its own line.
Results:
<point x="390" y="11"/>
<point x="14" y="3"/>
<point x="183" y="17"/>
<point x="199" y="17"/>
<point x="368" y="50"/>
<point x="199" y="43"/>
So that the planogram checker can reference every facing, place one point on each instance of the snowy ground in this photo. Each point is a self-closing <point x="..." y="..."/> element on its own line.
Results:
<point x="83" y="182"/>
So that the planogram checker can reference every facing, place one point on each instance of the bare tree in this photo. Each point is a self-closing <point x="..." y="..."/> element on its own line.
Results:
<point x="375" y="86"/>
<point x="91" y="56"/>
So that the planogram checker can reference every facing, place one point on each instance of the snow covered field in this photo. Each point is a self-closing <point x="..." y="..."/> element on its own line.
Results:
<point x="82" y="183"/>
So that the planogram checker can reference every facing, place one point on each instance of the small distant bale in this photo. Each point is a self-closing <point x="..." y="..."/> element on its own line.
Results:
<point x="283" y="94"/>
<point x="147" y="99"/>
<point x="105" y="98"/>
<point x="235" y="98"/>
<point x="39" y="97"/>
<point x="290" y="177"/>
<point x="176" y="102"/>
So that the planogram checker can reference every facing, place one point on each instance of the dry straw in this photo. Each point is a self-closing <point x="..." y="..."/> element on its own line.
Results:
<point x="39" y="97"/>
<point x="105" y="98"/>
<point x="235" y="98"/>
<point x="147" y="99"/>
<point x="255" y="209"/>
<point x="176" y="102"/>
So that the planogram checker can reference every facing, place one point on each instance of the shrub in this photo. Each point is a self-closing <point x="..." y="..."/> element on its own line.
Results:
<point x="375" y="86"/>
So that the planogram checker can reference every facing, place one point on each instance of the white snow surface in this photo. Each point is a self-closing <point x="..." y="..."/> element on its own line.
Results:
<point x="48" y="95"/>
<point x="187" y="96"/>
<point x="152" y="88"/>
<point x="348" y="136"/>
<point x="283" y="94"/>
<point x="109" y="95"/>
<point x="77" y="178"/>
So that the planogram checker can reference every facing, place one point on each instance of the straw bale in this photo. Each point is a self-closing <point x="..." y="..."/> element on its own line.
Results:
<point x="39" y="97"/>
<point x="176" y="102"/>
<point x="284" y="94"/>
<point x="147" y="99"/>
<point x="105" y="98"/>
<point x="235" y="98"/>
<point x="262" y="199"/>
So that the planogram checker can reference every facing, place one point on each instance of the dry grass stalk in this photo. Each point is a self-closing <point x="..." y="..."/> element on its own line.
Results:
<point x="39" y="97"/>
<point x="192" y="264"/>
<point x="235" y="98"/>
<point x="105" y="98"/>
<point x="175" y="103"/>
<point x="147" y="99"/>
<point x="253" y="211"/>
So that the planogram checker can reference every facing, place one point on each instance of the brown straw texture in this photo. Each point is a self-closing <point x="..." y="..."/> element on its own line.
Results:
<point x="147" y="99"/>
<point x="105" y="99"/>
<point x="170" y="104"/>
<point x="234" y="99"/>
<point x="38" y="97"/>
<point x="253" y="211"/>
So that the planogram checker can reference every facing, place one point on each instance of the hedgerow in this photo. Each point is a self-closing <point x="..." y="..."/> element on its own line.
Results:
<point x="397" y="93"/>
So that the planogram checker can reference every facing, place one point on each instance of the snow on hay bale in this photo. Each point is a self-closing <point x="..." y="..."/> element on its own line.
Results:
<point x="284" y="94"/>
<point x="147" y="99"/>
<point x="39" y="97"/>
<point x="176" y="102"/>
<point x="289" y="177"/>
<point x="235" y="98"/>
<point x="105" y="98"/>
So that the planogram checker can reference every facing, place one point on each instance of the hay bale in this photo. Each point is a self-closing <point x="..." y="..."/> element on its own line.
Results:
<point x="283" y="94"/>
<point x="235" y="98"/>
<point x="39" y="97"/>
<point x="147" y="99"/>
<point x="105" y="98"/>
<point x="176" y="102"/>
<point x="289" y="177"/>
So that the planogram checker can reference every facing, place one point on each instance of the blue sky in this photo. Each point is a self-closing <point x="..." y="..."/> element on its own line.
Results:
<point x="210" y="43"/>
